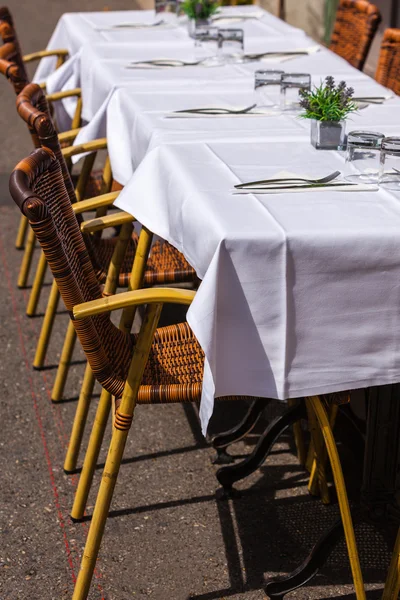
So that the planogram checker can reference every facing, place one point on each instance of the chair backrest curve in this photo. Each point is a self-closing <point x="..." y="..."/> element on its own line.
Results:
<point x="9" y="34"/>
<point x="37" y="186"/>
<point x="388" y="71"/>
<point x="355" y="27"/>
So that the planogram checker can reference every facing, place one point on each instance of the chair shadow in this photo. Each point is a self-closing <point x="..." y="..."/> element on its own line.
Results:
<point x="268" y="529"/>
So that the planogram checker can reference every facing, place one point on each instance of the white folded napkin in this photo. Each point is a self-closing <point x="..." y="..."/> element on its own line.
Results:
<point x="360" y="187"/>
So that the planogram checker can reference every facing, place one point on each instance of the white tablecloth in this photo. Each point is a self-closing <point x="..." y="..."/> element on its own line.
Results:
<point x="137" y="122"/>
<point x="299" y="291"/>
<point x="74" y="30"/>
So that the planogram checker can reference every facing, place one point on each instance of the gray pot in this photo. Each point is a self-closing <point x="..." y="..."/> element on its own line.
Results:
<point x="328" y="135"/>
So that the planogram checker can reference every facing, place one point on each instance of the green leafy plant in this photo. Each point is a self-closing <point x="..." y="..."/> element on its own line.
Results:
<point x="328" y="102"/>
<point x="199" y="9"/>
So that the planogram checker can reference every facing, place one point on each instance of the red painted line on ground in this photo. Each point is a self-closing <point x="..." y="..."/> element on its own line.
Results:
<point x="37" y="414"/>
<point x="62" y="436"/>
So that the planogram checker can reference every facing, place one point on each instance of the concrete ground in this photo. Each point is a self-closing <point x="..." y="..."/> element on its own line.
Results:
<point x="168" y="537"/>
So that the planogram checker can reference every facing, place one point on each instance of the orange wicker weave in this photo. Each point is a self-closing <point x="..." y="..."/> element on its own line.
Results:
<point x="10" y="68"/>
<point x="8" y="34"/>
<point x="165" y="265"/>
<point x="355" y="26"/>
<point x="388" y="71"/>
<point x="175" y="367"/>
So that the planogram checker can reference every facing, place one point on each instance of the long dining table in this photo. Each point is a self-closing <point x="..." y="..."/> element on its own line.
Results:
<point x="299" y="291"/>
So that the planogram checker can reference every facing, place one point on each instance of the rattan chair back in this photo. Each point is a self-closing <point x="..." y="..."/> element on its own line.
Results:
<point x="38" y="188"/>
<point x="33" y="108"/>
<point x="388" y="71"/>
<point x="9" y="34"/>
<point x="355" y="27"/>
<point x="10" y="68"/>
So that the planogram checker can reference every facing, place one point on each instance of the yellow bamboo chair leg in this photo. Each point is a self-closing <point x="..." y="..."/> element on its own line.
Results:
<point x="91" y="456"/>
<point x="299" y="439"/>
<point x="21" y="234"/>
<point x="122" y="423"/>
<point x="79" y="420"/>
<point x="87" y="386"/>
<point x="37" y="286"/>
<point x="315" y="406"/>
<point x="318" y="484"/>
<point x="96" y="437"/>
<point x="63" y="365"/>
<point x="47" y="326"/>
<point x="27" y="259"/>
<point x="392" y="584"/>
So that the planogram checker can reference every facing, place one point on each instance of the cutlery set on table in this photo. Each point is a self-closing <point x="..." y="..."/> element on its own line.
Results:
<point x="289" y="182"/>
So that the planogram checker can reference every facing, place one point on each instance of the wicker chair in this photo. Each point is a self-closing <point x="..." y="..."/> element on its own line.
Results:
<point x="388" y="71"/>
<point x="8" y="35"/>
<point x="355" y="26"/>
<point x="165" y="264"/>
<point x="156" y="366"/>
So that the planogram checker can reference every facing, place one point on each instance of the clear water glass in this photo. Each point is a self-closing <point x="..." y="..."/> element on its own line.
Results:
<point x="206" y="37"/>
<point x="363" y="156"/>
<point x="291" y="84"/>
<point x="167" y="9"/>
<point x="389" y="174"/>
<point x="267" y="87"/>
<point x="230" y="45"/>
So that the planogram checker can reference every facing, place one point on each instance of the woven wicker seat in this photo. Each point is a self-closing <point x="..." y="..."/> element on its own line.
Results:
<point x="388" y="71"/>
<point x="355" y="27"/>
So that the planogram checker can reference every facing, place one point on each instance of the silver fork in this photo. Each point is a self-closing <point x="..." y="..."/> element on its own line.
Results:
<point x="322" y="180"/>
<point x="216" y="111"/>
<point x="166" y="62"/>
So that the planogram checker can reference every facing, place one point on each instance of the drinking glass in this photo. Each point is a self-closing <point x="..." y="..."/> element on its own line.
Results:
<point x="389" y="174"/>
<point x="230" y="45"/>
<point x="291" y="84"/>
<point x="363" y="156"/>
<point x="206" y="37"/>
<point x="267" y="87"/>
<point x="167" y="9"/>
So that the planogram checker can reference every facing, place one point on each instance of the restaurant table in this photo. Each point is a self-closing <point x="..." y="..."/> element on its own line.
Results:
<point x="300" y="291"/>
<point x="74" y="30"/>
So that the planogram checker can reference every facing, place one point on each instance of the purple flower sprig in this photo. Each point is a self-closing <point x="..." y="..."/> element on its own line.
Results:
<point x="328" y="101"/>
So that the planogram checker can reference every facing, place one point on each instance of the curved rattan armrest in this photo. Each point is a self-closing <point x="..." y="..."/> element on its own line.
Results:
<point x="65" y="94"/>
<point x="43" y="54"/>
<point x="68" y="136"/>
<point x="99" y="223"/>
<point x="100" y="144"/>
<point x="133" y="298"/>
<point x="103" y="200"/>
<point x="42" y="85"/>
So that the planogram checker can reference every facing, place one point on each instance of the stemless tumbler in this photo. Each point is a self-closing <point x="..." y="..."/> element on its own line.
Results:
<point x="363" y="156"/>
<point x="230" y="45"/>
<point x="168" y="9"/>
<point x="389" y="175"/>
<point x="267" y="87"/>
<point x="206" y="37"/>
<point x="291" y="84"/>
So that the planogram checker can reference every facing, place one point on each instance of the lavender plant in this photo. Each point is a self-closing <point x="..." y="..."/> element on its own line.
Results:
<point x="199" y="9"/>
<point x="327" y="102"/>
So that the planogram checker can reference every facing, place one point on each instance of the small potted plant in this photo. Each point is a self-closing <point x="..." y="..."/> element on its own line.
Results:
<point x="327" y="106"/>
<point x="199" y="12"/>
